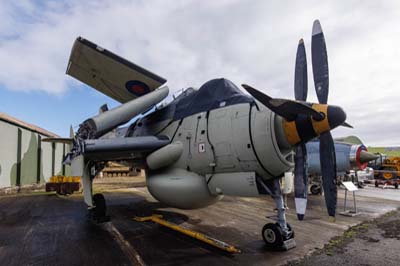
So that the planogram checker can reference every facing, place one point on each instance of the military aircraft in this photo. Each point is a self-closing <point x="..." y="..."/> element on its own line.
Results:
<point x="348" y="156"/>
<point x="206" y="143"/>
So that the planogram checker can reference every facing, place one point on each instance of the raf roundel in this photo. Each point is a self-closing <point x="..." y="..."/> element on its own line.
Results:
<point x="137" y="87"/>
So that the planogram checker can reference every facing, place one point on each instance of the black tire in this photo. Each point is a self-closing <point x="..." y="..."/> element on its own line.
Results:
<point x="396" y="185"/>
<point x="376" y="184"/>
<point x="272" y="235"/>
<point x="100" y="206"/>
<point x="315" y="189"/>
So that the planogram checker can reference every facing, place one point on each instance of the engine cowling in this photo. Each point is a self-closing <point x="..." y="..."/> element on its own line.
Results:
<point x="180" y="188"/>
<point x="348" y="157"/>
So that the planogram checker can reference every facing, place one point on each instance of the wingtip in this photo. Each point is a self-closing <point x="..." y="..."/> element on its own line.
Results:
<point x="317" y="29"/>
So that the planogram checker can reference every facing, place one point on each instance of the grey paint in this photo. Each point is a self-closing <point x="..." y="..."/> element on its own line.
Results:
<point x="104" y="122"/>
<point x="179" y="188"/>
<point x="221" y="144"/>
<point x="165" y="156"/>
<point x="242" y="184"/>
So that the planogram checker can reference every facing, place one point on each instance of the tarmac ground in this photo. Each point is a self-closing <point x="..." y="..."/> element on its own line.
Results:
<point x="47" y="229"/>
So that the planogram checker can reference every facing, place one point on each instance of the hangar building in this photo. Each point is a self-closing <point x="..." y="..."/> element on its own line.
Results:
<point x="24" y="158"/>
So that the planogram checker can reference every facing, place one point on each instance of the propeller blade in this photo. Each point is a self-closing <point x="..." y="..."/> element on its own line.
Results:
<point x="286" y="108"/>
<point x="328" y="170"/>
<point x="300" y="73"/>
<point x="300" y="181"/>
<point x="319" y="58"/>
<point x="345" y="124"/>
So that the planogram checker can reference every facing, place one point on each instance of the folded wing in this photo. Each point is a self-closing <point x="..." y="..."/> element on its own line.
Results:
<point x="109" y="73"/>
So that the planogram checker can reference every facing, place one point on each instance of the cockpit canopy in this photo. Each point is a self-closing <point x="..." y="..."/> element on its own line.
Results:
<point x="214" y="94"/>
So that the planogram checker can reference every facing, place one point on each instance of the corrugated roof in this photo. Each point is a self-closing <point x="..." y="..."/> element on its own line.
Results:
<point x="7" y="118"/>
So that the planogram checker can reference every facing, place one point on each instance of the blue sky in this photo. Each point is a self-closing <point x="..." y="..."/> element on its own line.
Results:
<point x="53" y="112"/>
<point x="190" y="42"/>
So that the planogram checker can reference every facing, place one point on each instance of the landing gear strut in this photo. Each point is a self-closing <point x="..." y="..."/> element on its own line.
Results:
<point x="279" y="235"/>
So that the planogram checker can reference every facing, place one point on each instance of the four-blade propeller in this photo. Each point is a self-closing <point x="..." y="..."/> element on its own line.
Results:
<point x="327" y="147"/>
<point x="310" y="120"/>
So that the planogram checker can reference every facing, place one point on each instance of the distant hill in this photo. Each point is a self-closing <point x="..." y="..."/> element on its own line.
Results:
<point x="390" y="151"/>
<point x="350" y="139"/>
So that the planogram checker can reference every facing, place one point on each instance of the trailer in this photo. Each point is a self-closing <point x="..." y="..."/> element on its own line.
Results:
<point x="388" y="173"/>
<point x="63" y="185"/>
<point x="392" y="182"/>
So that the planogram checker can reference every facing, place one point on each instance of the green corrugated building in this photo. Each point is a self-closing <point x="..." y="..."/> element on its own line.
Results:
<point x="24" y="158"/>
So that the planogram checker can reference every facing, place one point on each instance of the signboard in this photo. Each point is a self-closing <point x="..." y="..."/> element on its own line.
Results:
<point x="349" y="186"/>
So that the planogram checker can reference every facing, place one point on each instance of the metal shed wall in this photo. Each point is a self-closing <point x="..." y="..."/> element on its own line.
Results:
<point x="8" y="154"/>
<point x="25" y="159"/>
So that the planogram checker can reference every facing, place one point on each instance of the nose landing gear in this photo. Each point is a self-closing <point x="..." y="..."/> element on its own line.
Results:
<point x="279" y="235"/>
<point x="275" y="238"/>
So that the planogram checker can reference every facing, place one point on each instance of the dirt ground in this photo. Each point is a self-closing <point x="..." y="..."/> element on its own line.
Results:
<point x="375" y="242"/>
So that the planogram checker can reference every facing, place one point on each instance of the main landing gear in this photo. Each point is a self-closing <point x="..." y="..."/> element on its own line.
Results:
<point x="279" y="235"/>
<point x="98" y="212"/>
<point x="97" y="203"/>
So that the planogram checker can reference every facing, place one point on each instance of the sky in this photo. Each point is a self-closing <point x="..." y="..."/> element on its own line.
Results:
<point x="191" y="42"/>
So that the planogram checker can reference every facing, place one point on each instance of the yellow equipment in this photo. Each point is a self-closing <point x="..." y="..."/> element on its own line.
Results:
<point x="199" y="236"/>
<point x="389" y="172"/>
<point x="63" y="185"/>
<point x="390" y="168"/>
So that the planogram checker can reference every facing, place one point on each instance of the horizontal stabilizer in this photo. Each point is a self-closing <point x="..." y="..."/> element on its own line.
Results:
<point x="109" y="73"/>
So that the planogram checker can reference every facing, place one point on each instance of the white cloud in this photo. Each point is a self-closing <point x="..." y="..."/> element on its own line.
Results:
<point x="190" y="42"/>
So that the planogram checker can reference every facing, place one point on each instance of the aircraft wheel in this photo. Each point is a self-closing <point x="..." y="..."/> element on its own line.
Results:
<point x="376" y="184"/>
<point x="396" y="185"/>
<point x="273" y="236"/>
<point x="315" y="189"/>
<point x="100" y="206"/>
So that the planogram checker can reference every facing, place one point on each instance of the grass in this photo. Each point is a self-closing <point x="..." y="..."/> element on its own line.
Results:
<point x="385" y="151"/>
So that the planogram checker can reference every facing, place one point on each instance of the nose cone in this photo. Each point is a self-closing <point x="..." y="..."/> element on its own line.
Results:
<point x="336" y="116"/>
<point x="305" y="128"/>
<point x="366" y="157"/>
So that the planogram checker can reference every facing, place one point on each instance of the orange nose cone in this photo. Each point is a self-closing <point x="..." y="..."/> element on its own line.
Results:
<point x="305" y="128"/>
